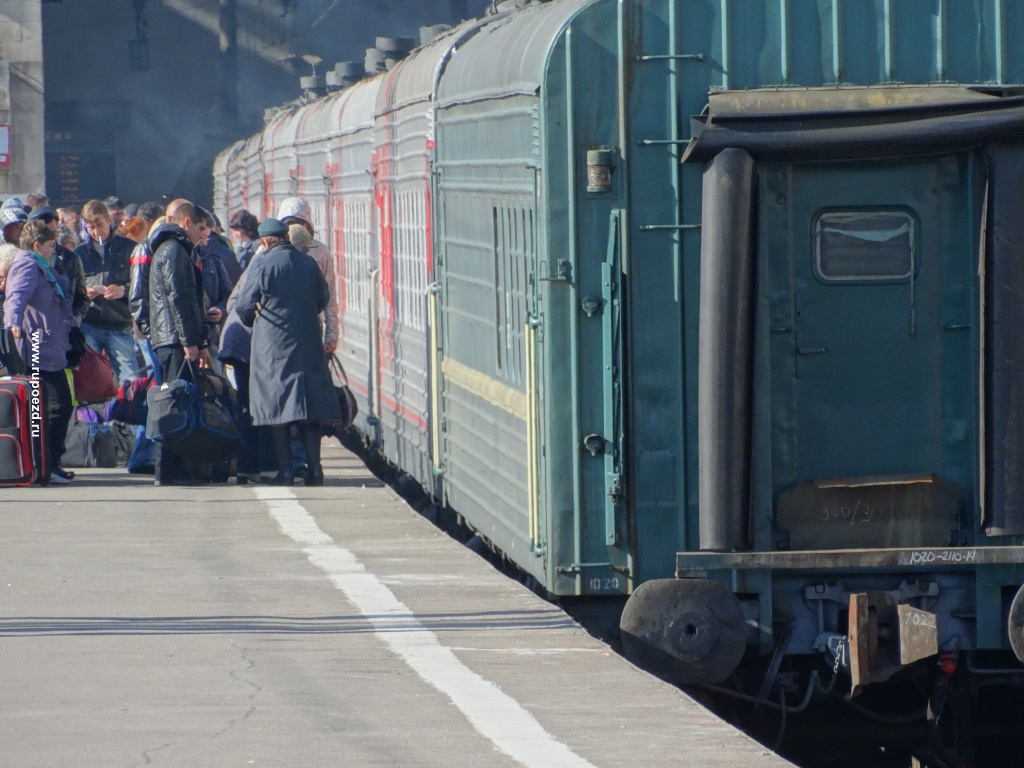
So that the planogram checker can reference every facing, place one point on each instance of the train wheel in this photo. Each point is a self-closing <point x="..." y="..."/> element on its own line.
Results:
<point x="684" y="630"/>
<point x="1016" y="624"/>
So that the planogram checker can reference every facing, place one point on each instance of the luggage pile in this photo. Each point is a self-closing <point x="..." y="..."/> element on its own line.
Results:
<point x="95" y="442"/>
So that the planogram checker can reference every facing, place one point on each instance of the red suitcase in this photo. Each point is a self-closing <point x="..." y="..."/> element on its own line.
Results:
<point x="23" y="432"/>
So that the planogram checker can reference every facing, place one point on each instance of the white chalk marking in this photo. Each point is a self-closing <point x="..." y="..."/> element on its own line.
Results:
<point x="493" y="713"/>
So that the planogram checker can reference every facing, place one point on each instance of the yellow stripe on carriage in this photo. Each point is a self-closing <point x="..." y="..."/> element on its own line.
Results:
<point x="483" y="386"/>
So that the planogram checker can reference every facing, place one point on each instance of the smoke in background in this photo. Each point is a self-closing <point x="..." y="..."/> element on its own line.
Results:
<point x="135" y="104"/>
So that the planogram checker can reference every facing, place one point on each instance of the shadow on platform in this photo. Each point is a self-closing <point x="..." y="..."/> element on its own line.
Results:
<point x="54" y="626"/>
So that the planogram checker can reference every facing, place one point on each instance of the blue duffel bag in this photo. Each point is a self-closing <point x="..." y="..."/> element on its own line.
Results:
<point x="194" y="419"/>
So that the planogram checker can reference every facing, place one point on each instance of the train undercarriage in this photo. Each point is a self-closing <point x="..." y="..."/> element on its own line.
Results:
<point x="916" y="643"/>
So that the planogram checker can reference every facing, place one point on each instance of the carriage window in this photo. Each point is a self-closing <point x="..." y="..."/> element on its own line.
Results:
<point x="864" y="245"/>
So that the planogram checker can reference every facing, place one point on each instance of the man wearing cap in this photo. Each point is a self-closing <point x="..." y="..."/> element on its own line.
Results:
<point x="295" y="210"/>
<point x="67" y="263"/>
<point x="289" y="381"/>
<point x="106" y="259"/>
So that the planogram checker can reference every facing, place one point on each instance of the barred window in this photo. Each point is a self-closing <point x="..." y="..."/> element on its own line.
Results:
<point x="514" y="250"/>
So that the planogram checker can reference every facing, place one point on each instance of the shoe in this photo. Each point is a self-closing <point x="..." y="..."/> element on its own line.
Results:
<point x="58" y="479"/>
<point x="283" y="477"/>
<point x="64" y="474"/>
<point x="315" y="476"/>
<point x="244" y="478"/>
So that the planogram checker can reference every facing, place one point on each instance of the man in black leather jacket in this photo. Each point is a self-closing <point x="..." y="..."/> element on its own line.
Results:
<point x="177" y="325"/>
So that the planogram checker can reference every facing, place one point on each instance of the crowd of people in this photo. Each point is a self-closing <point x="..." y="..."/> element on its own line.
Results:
<point x="163" y="289"/>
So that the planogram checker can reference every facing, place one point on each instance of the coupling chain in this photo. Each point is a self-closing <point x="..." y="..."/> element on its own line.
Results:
<point x="835" y="667"/>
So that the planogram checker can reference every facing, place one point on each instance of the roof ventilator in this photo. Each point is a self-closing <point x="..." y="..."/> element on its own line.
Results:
<point x="430" y="34"/>
<point x="387" y="53"/>
<point x="344" y="74"/>
<point x="507" y="6"/>
<point x="314" y="85"/>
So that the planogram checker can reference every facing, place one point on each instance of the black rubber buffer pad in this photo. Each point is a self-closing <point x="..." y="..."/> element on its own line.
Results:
<point x="684" y="630"/>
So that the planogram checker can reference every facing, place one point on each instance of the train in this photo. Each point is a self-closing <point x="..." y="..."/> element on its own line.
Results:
<point x="714" y="304"/>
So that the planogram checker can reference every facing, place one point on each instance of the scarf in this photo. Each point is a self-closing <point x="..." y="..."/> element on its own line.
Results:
<point x="50" y="274"/>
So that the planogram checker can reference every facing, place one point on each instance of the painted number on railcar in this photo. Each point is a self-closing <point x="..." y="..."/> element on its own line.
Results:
<point x="925" y="556"/>
<point x="858" y="513"/>
<point x="921" y="619"/>
<point x="604" y="585"/>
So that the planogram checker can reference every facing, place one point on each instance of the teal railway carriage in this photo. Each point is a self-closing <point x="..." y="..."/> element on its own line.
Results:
<point x="711" y="302"/>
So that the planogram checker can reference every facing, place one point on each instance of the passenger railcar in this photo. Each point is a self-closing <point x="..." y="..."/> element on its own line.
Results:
<point x="714" y="303"/>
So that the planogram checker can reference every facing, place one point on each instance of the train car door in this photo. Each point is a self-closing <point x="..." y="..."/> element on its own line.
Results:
<point x="870" y="274"/>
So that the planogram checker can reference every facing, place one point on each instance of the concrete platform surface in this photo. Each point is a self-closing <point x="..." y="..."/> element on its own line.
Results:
<point x="258" y="626"/>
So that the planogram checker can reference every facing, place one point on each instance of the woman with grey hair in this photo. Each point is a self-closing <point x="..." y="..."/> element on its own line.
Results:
<point x="10" y="359"/>
<point x="7" y="254"/>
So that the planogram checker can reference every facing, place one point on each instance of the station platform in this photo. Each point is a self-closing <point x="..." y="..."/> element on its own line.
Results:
<point x="334" y="626"/>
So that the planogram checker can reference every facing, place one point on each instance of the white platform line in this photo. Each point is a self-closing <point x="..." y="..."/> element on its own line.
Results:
<point x="493" y="713"/>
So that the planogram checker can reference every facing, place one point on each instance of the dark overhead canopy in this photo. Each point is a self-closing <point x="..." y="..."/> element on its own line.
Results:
<point x="853" y="123"/>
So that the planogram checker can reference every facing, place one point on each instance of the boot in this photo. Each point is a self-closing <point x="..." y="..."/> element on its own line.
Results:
<point x="311" y="442"/>
<point x="281" y="443"/>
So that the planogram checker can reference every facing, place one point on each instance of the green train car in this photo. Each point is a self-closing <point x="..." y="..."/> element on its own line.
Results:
<point x="722" y="311"/>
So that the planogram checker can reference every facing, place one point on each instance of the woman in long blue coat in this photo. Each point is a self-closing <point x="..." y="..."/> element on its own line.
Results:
<point x="289" y="382"/>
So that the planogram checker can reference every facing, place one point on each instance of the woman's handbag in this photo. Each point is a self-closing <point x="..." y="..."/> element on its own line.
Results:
<point x="94" y="377"/>
<point x="346" y="400"/>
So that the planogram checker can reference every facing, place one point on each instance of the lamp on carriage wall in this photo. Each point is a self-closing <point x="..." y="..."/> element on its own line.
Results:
<point x="599" y="171"/>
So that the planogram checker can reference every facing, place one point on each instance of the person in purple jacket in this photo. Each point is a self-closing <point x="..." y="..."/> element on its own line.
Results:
<point x="37" y="311"/>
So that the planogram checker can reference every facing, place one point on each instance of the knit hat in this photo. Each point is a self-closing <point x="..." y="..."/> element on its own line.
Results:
<point x="10" y="216"/>
<point x="295" y="208"/>
<point x="13" y="202"/>
<point x="272" y="228"/>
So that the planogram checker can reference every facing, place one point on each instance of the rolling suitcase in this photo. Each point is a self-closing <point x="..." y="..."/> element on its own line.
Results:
<point x="23" y="432"/>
